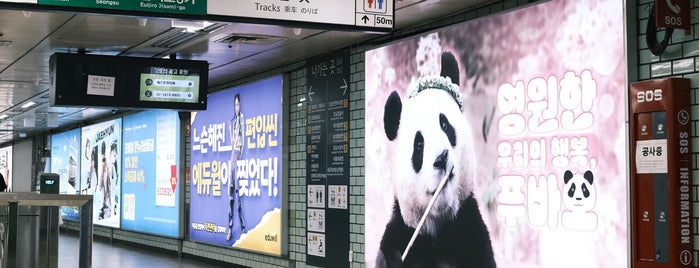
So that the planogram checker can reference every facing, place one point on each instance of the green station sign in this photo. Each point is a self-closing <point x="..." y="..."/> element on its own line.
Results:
<point x="192" y="7"/>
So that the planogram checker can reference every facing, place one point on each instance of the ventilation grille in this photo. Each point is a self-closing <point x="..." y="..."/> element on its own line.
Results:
<point x="173" y="40"/>
<point x="248" y="39"/>
<point x="181" y="36"/>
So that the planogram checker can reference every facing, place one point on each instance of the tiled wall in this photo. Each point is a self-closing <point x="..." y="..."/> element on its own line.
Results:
<point x="680" y="59"/>
<point x="297" y="159"/>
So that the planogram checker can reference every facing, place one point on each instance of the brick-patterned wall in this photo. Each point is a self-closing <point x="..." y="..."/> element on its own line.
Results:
<point x="297" y="168"/>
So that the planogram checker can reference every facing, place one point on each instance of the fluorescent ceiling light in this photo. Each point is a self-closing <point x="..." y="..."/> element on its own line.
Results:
<point x="191" y="26"/>
<point x="28" y="104"/>
<point x="3" y="116"/>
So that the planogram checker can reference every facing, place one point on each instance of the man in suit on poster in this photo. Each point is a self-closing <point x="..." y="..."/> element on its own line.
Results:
<point x="236" y="128"/>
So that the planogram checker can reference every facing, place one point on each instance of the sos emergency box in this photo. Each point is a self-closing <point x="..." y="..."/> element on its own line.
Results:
<point x="661" y="173"/>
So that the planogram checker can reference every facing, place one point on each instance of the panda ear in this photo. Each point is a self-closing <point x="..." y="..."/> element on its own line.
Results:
<point x="391" y="115"/>
<point x="450" y="68"/>
<point x="567" y="176"/>
<point x="588" y="176"/>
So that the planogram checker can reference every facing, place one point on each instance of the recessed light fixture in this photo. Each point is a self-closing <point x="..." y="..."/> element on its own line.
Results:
<point x="28" y="104"/>
<point x="191" y="26"/>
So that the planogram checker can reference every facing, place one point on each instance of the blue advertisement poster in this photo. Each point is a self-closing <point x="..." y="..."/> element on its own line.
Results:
<point x="100" y="172"/>
<point x="236" y="184"/>
<point x="151" y="159"/>
<point x="65" y="160"/>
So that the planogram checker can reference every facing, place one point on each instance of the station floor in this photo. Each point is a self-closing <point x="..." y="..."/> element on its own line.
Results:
<point x="123" y="255"/>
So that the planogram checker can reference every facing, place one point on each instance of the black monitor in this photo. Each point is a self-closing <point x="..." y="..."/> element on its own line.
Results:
<point x="80" y="80"/>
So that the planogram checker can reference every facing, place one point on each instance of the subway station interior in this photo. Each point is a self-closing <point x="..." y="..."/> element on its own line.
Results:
<point x="366" y="133"/>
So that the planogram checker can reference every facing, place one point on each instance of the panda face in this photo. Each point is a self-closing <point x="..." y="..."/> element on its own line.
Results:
<point x="434" y="142"/>
<point x="580" y="192"/>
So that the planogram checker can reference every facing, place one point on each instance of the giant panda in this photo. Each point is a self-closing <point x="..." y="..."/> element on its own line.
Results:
<point x="433" y="140"/>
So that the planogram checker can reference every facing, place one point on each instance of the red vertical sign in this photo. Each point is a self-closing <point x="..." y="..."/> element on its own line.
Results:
<point x="661" y="177"/>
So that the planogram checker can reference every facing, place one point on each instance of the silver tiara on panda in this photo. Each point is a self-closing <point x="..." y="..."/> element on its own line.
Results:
<point x="437" y="82"/>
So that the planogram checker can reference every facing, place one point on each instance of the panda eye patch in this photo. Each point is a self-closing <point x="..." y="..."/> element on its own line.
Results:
<point x="571" y="191"/>
<point x="448" y="129"/>
<point x="586" y="192"/>
<point x="418" y="148"/>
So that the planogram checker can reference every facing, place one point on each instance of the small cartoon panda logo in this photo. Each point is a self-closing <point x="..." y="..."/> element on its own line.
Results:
<point x="580" y="198"/>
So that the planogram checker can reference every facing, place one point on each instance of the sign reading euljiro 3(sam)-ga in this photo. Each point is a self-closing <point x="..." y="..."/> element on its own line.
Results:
<point x="363" y="13"/>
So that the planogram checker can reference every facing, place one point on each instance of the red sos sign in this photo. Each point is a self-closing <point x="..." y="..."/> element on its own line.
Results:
<point x="673" y="14"/>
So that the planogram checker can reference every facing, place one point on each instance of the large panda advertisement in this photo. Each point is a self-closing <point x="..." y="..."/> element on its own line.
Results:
<point x="236" y="158"/>
<point x="100" y="170"/>
<point x="500" y="142"/>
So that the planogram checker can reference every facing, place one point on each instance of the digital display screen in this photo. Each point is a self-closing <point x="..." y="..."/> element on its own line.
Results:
<point x="236" y="179"/>
<point x="151" y="166"/>
<point x="163" y="84"/>
<point x="80" y="80"/>
<point x="523" y="132"/>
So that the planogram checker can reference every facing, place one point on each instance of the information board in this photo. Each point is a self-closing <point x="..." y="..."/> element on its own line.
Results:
<point x="327" y="161"/>
<point x="169" y="84"/>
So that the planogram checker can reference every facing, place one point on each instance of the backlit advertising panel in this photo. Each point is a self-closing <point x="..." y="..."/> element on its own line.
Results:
<point x="502" y="141"/>
<point x="236" y="184"/>
<point x="100" y="170"/>
<point x="151" y="166"/>
<point x="65" y="161"/>
<point x="6" y="165"/>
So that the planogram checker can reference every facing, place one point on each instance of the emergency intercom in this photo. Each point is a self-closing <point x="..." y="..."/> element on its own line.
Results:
<point x="661" y="176"/>
<point x="49" y="183"/>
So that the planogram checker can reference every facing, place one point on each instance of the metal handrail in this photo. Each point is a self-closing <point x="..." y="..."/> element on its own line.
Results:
<point x="14" y="200"/>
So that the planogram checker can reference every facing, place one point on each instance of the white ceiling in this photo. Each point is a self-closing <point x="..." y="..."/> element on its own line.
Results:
<point x="29" y="37"/>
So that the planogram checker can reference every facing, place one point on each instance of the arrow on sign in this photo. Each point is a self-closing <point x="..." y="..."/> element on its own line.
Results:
<point x="365" y="19"/>
<point x="310" y="93"/>
<point x="344" y="87"/>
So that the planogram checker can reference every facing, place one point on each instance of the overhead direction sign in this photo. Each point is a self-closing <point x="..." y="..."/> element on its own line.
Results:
<point x="192" y="7"/>
<point x="377" y="14"/>
<point x="362" y="15"/>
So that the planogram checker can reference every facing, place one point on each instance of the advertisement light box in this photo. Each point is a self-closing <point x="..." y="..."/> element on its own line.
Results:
<point x="151" y="165"/>
<point x="65" y="161"/>
<point x="518" y="139"/>
<point x="100" y="169"/>
<point x="79" y="80"/>
<point x="236" y="168"/>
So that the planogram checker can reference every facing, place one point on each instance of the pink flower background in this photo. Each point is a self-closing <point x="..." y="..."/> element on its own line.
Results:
<point x="544" y="40"/>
